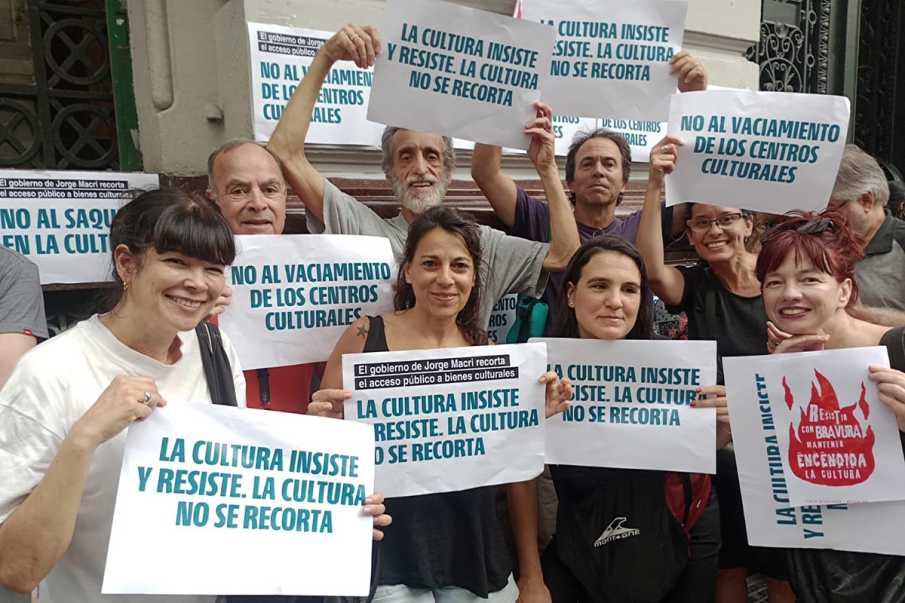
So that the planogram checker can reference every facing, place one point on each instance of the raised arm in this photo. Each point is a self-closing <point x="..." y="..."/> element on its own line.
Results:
<point x="666" y="281"/>
<point x="351" y="43"/>
<point x="563" y="230"/>
<point x="500" y="189"/>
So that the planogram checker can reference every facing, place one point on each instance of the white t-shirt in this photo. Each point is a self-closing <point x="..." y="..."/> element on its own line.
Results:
<point x="51" y="387"/>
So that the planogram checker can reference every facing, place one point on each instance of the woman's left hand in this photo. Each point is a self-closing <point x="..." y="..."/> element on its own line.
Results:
<point x="223" y="301"/>
<point x="375" y="508"/>
<point x="891" y="384"/>
<point x="558" y="394"/>
<point x="714" y="396"/>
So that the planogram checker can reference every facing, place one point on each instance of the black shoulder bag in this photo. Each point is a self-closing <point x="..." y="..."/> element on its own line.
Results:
<point x="217" y="370"/>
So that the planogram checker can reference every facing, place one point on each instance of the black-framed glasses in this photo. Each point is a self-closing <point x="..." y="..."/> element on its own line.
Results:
<point x="723" y="221"/>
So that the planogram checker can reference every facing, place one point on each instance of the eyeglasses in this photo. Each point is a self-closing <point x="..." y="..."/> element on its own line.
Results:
<point x="704" y="224"/>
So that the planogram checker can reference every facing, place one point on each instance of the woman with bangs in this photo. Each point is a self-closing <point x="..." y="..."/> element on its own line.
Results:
<point x="64" y="411"/>
<point x="807" y="267"/>
<point x="65" y="408"/>
<point x="722" y="299"/>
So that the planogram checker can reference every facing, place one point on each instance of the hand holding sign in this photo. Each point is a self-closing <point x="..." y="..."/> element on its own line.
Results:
<point x="126" y="400"/>
<point x="328" y="403"/>
<point x="663" y="160"/>
<point x="559" y="393"/>
<point x="542" y="150"/>
<point x="356" y="43"/>
<point x="690" y="72"/>
<point x="891" y="385"/>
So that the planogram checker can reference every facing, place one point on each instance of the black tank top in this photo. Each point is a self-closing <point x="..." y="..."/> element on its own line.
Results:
<point x="439" y="540"/>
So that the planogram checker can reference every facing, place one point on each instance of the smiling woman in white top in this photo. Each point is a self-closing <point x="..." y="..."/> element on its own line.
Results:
<point x="65" y="409"/>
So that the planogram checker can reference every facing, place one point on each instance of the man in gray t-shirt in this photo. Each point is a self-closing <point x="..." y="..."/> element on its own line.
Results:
<point x="419" y="166"/>
<point x="22" y="320"/>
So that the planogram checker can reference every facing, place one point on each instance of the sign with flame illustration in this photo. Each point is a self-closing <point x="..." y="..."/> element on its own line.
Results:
<point x="811" y="437"/>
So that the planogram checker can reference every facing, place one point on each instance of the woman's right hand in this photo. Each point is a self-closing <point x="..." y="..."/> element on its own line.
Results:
<point x="328" y="403"/>
<point x="126" y="399"/>
<point x="663" y="159"/>
<point x="779" y="342"/>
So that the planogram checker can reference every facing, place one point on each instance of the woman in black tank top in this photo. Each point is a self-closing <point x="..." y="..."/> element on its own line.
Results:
<point x="451" y="542"/>
<point x="807" y="267"/>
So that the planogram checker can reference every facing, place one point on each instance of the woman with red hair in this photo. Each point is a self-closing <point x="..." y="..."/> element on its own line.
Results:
<point x="806" y="268"/>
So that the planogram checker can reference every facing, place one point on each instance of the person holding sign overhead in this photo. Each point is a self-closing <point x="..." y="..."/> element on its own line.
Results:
<point x="807" y="266"/>
<point x="722" y="300"/>
<point x="419" y="165"/>
<point x="667" y="523"/>
<point x="447" y="546"/>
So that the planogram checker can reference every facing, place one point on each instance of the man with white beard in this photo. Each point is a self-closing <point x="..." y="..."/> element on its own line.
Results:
<point x="419" y="165"/>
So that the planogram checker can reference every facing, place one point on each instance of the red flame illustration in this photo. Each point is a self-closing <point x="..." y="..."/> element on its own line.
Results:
<point x="831" y="446"/>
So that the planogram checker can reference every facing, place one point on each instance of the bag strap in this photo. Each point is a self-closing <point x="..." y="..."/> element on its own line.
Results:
<point x="217" y="370"/>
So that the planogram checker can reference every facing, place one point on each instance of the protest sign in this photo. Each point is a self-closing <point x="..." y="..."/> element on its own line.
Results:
<point x="763" y="151"/>
<point x="839" y="443"/>
<point x="292" y="310"/>
<point x="261" y="493"/>
<point x="611" y="59"/>
<point x="450" y="419"/>
<point x="60" y="220"/>
<point x="631" y="405"/>
<point x="771" y="518"/>
<point x="279" y="59"/>
<point x="502" y="318"/>
<point x="641" y="135"/>
<point x="459" y="71"/>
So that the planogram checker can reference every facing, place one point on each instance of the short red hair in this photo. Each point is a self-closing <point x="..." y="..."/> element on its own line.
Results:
<point x="822" y="238"/>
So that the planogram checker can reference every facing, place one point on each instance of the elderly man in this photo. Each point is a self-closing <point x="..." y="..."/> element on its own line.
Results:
<point x="246" y="182"/>
<point x="861" y="193"/>
<point x="419" y="166"/>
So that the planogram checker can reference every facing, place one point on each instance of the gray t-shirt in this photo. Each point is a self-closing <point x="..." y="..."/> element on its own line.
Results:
<point x="881" y="274"/>
<point x="508" y="264"/>
<point x="21" y="300"/>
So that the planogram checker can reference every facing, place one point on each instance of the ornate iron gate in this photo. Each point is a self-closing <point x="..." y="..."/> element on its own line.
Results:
<point x="64" y="117"/>
<point x="794" y="48"/>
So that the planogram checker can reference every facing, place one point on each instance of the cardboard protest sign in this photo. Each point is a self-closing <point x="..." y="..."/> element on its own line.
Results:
<point x="279" y="59"/>
<point x="641" y="135"/>
<point x="453" y="418"/>
<point x="763" y="151"/>
<point x="631" y="405"/>
<point x="759" y="415"/>
<point x="838" y="441"/>
<point x="611" y="59"/>
<point x="459" y="71"/>
<point x="60" y="220"/>
<point x="294" y="295"/>
<point x="261" y="492"/>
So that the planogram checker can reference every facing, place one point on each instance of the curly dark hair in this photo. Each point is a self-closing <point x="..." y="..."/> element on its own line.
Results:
<point x="455" y="223"/>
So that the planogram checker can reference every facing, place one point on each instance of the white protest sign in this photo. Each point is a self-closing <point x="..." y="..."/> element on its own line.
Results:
<point x="258" y="494"/>
<point x="641" y="135"/>
<point x="294" y="295"/>
<point x="450" y="419"/>
<point x="60" y="220"/>
<point x="611" y="58"/>
<point x="502" y="318"/>
<point x="771" y="518"/>
<point x="459" y="71"/>
<point x="838" y="441"/>
<point x="631" y="405"/>
<point x="279" y="58"/>
<point x="763" y="151"/>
